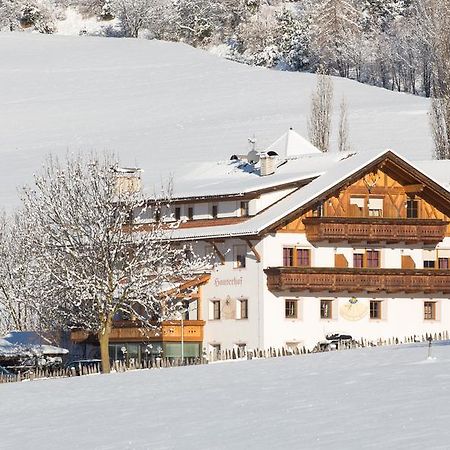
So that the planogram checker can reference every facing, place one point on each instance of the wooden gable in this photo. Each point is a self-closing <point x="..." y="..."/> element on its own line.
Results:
<point x="389" y="184"/>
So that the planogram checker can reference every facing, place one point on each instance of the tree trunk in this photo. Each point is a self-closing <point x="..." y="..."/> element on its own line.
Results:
<point x="103" y="338"/>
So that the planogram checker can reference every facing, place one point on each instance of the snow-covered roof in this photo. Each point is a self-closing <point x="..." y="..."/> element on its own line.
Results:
<point x="235" y="177"/>
<point x="343" y="168"/>
<point x="292" y="144"/>
<point x="29" y="341"/>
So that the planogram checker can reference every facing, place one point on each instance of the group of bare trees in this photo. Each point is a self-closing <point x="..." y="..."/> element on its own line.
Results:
<point x="73" y="257"/>
<point x="319" y="119"/>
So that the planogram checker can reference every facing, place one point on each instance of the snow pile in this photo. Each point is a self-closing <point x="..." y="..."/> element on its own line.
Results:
<point x="356" y="399"/>
<point x="167" y="107"/>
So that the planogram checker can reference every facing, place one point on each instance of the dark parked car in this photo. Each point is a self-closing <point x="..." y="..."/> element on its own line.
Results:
<point x="83" y="366"/>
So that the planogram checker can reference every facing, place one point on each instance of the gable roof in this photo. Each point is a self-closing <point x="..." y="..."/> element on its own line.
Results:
<point x="292" y="144"/>
<point x="344" y="172"/>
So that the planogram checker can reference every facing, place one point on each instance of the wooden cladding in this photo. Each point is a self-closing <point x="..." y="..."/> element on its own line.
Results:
<point x="385" y="193"/>
<point x="169" y="332"/>
<point x="374" y="229"/>
<point x="358" y="280"/>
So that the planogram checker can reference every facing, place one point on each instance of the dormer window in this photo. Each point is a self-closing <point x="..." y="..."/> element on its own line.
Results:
<point x="244" y="209"/>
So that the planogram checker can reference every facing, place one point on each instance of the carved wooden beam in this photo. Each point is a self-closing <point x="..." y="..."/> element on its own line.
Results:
<point x="413" y="188"/>
<point x="253" y="249"/>
<point x="218" y="252"/>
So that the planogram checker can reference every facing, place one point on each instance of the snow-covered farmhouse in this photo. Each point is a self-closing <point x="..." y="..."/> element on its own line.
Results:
<point x="308" y="244"/>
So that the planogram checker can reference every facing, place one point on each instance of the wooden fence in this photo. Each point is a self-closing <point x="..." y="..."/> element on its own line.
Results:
<point x="214" y="357"/>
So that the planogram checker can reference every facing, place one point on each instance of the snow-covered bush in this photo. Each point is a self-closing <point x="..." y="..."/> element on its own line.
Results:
<point x="40" y="14"/>
<point x="10" y="12"/>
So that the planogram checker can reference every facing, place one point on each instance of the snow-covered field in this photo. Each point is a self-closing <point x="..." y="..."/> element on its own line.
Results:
<point x="163" y="105"/>
<point x="390" y="398"/>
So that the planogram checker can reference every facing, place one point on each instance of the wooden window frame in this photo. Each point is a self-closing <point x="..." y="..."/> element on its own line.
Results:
<point x="443" y="263"/>
<point x="415" y="207"/>
<point x="239" y="259"/>
<point x="329" y="314"/>
<point x="376" y="313"/>
<point x="216" y="310"/>
<point x="358" y="257"/>
<point x="242" y="308"/>
<point x="378" y="258"/>
<point x="429" y="264"/>
<point x="431" y="314"/>
<point x="215" y="210"/>
<point x="244" y="208"/>
<point x="287" y="308"/>
<point x="298" y="257"/>
<point x="374" y="197"/>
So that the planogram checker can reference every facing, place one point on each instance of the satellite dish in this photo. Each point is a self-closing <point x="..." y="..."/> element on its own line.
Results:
<point x="253" y="157"/>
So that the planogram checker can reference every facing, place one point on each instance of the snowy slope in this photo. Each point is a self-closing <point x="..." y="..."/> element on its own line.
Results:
<point x="163" y="105"/>
<point x="390" y="398"/>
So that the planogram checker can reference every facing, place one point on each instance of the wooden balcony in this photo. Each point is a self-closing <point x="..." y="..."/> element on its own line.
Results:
<point x="427" y="281"/>
<point x="169" y="332"/>
<point x="375" y="229"/>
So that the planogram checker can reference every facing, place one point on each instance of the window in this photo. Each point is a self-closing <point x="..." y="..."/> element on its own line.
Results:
<point x="375" y="309"/>
<point x="326" y="309"/>
<point x="373" y="258"/>
<point x="428" y="264"/>
<point x="240" y="252"/>
<point x="358" y="260"/>
<point x="216" y="309"/>
<point x="190" y="213"/>
<point x="375" y="207"/>
<point x="244" y="209"/>
<point x="243" y="309"/>
<point x="412" y="209"/>
<point x="288" y="256"/>
<point x="356" y="206"/>
<point x="291" y="309"/>
<point x="215" y="211"/>
<point x="303" y="257"/>
<point x="177" y="213"/>
<point x="429" y="310"/>
<point x="318" y="210"/>
<point x="296" y="257"/>
<point x="443" y="263"/>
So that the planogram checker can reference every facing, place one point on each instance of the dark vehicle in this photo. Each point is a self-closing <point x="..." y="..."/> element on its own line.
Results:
<point x="84" y="366"/>
<point x="332" y="342"/>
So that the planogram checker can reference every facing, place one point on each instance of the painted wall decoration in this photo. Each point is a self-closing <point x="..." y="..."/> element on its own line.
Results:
<point x="353" y="310"/>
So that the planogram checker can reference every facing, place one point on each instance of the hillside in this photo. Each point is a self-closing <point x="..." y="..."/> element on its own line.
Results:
<point x="391" y="398"/>
<point x="162" y="105"/>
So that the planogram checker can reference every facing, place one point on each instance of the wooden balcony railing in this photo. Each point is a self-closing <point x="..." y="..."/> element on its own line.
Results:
<point x="427" y="281"/>
<point x="170" y="331"/>
<point x="375" y="229"/>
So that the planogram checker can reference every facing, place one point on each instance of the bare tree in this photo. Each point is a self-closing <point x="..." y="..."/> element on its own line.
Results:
<point x="343" y="137"/>
<point x="440" y="120"/>
<point x="135" y="15"/>
<point x="435" y="31"/>
<point x="17" y="280"/>
<point x="100" y="262"/>
<point x="319" y="120"/>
